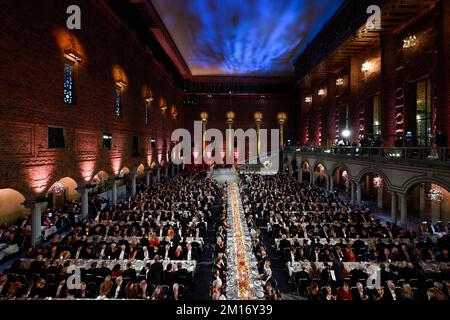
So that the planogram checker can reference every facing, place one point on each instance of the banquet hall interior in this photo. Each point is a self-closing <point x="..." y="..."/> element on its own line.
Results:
<point x="351" y="202"/>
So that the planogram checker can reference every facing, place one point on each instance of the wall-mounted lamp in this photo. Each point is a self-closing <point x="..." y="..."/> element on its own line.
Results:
<point x="366" y="66"/>
<point x="148" y="100"/>
<point x="339" y="82"/>
<point x="308" y="99"/>
<point x="68" y="54"/>
<point x="121" y="84"/>
<point x="321" y="92"/>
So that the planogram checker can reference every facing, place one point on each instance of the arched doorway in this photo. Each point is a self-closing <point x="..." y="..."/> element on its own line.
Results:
<point x="374" y="191"/>
<point x="428" y="201"/>
<point x="100" y="182"/>
<point x="340" y="179"/>
<point x="11" y="206"/>
<point x="62" y="191"/>
<point x="306" y="172"/>
<point x="320" y="177"/>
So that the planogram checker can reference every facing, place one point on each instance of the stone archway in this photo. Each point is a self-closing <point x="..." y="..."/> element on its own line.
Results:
<point x="62" y="191"/>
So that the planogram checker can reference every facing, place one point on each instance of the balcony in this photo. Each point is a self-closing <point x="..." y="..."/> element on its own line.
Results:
<point x="427" y="156"/>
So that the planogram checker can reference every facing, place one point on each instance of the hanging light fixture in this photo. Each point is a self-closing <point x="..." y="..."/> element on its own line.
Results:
<point x="436" y="195"/>
<point x="409" y="42"/>
<point x="58" y="188"/>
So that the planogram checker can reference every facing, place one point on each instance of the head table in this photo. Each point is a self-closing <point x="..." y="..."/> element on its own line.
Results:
<point x="242" y="279"/>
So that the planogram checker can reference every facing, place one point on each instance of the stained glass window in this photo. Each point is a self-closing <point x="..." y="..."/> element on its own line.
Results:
<point x="68" y="83"/>
<point x="118" y="102"/>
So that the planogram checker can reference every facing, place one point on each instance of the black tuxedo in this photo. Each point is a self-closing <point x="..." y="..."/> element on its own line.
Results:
<point x="130" y="273"/>
<point x="156" y="273"/>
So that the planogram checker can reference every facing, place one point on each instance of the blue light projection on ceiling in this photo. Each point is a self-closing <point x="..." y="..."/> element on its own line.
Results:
<point x="243" y="37"/>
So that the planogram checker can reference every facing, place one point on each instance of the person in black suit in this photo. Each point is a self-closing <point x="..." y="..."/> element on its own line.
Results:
<point x="391" y="292"/>
<point x="284" y="243"/>
<point x="156" y="272"/>
<point x="130" y="272"/>
<point x="182" y="274"/>
<point x="359" y="293"/>
<point x="169" y="277"/>
<point x="103" y="271"/>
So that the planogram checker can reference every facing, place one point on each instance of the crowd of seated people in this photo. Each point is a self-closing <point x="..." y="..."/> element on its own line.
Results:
<point x="220" y="273"/>
<point x="49" y="278"/>
<point x="312" y="226"/>
<point x="165" y="222"/>
<point x="59" y="219"/>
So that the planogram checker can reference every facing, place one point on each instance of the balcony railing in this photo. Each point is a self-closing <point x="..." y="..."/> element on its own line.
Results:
<point x="427" y="154"/>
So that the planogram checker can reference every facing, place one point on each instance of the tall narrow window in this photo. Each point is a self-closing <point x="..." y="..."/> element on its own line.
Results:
<point x="68" y="82"/>
<point x="56" y="138"/>
<point x="107" y="141"/>
<point x="135" y="147"/>
<point x="376" y="112"/>
<point x="423" y="112"/>
<point x="118" y="102"/>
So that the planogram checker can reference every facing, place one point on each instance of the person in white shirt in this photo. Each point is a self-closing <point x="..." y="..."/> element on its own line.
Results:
<point x="145" y="254"/>
<point x="122" y="253"/>
<point x="391" y="287"/>
<point x="189" y="252"/>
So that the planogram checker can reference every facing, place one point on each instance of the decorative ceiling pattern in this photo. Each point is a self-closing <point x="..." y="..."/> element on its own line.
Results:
<point x="243" y="37"/>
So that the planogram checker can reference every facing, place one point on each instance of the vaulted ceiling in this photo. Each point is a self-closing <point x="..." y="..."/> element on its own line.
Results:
<point x="243" y="37"/>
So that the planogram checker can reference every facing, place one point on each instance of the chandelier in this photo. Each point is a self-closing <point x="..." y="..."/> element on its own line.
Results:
<point x="436" y="195"/>
<point x="409" y="42"/>
<point x="58" y="188"/>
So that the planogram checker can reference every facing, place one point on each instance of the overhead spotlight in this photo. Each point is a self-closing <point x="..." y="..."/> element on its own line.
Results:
<point x="346" y="133"/>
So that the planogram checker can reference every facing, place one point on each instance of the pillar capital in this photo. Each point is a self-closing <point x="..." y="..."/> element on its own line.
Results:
<point x="81" y="189"/>
<point x="29" y="204"/>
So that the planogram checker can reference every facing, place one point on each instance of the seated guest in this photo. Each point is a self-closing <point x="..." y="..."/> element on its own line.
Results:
<point x="143" y="290"/>
<point x="131" y="291"/>
<point x="344" y="293"/>
<point x="359" y="294"/>
<point x="327" y="293"/>
<point x="378" y="294"/>
<point x="391" y="293"/>
<point x="118" y="291"/>
<point x="178" y="254"/>
<point x="106" y="287"/>
<point x="130" y="272"/>
<point x="158" y="294"/>
<point x="406" y="293"/>
<point x="313" y="292"/>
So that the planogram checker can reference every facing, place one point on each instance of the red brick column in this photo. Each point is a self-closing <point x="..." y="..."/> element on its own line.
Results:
<point x="388" y="112"/>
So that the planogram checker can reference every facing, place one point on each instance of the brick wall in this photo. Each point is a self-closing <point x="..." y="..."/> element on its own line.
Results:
<point x="34" y="38"/>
